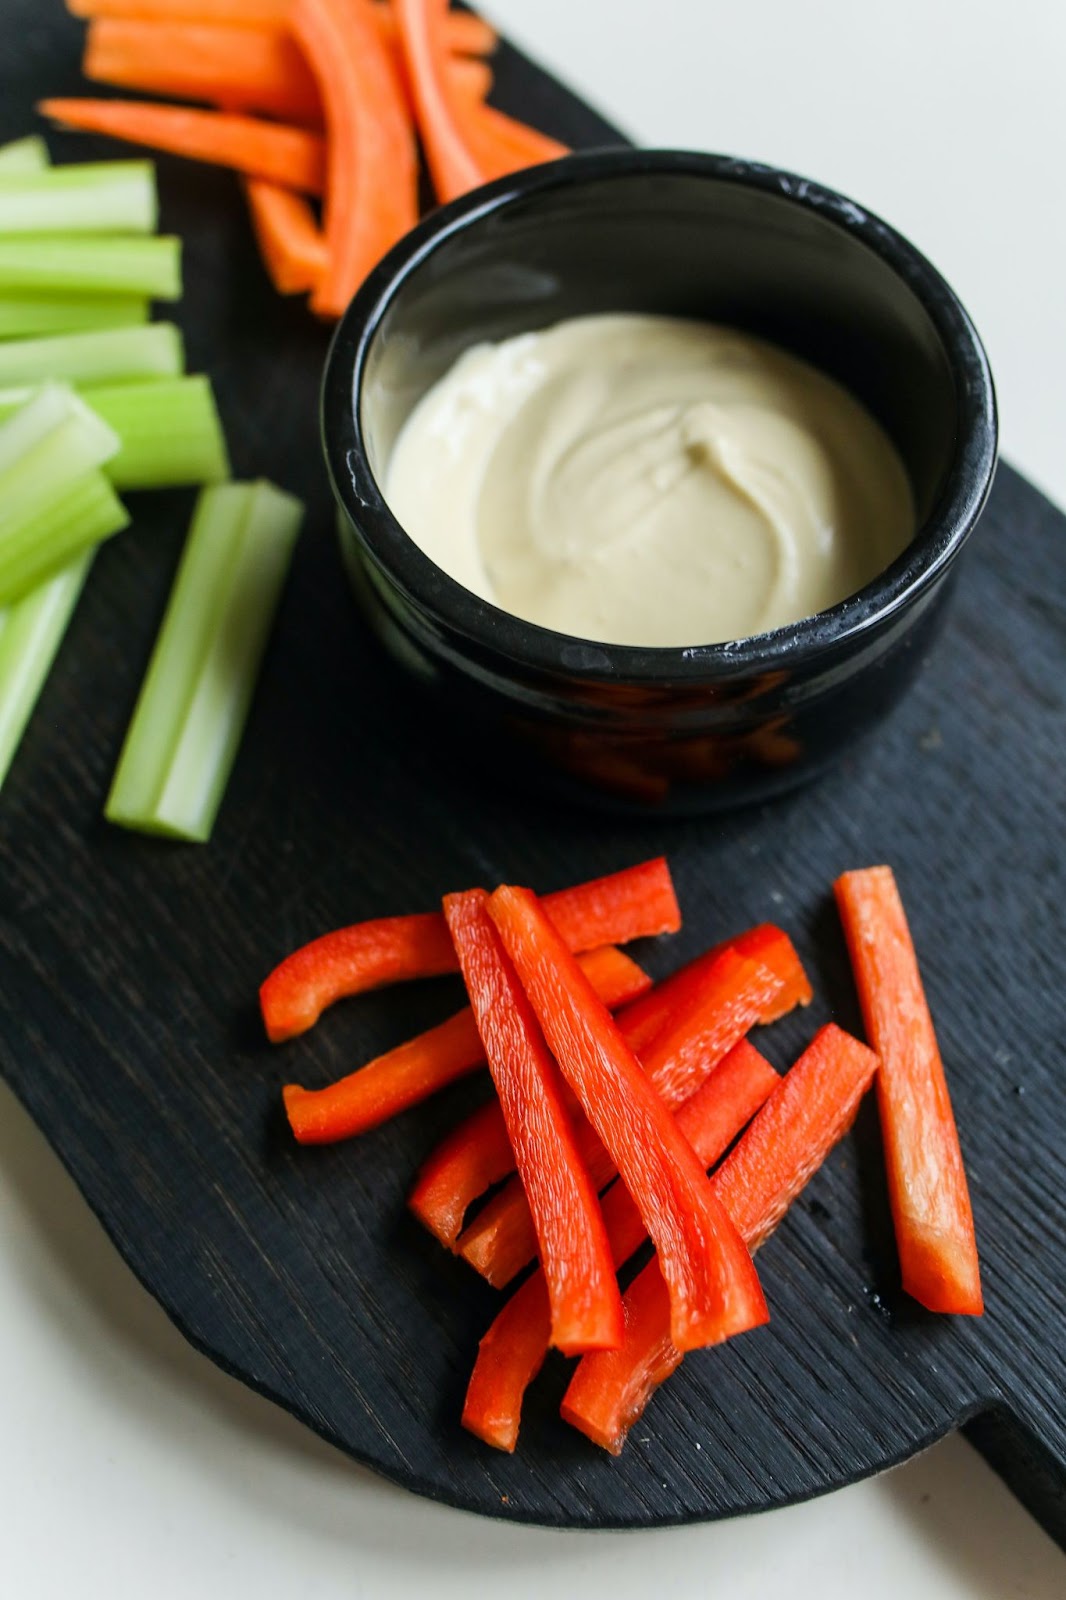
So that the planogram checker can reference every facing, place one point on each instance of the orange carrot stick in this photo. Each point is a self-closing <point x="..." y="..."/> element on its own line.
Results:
<point x="291" y="243"/>
<point x="244" y="13"/>
<point x="453" y="166"/>
<point x="372" y="192"/>
<point x="926" y="1177"/>
<point x="502" y="143"/>
<point x="239" y="69"/>
<point x="289" y="156"/>
<point x="464" y="31"/>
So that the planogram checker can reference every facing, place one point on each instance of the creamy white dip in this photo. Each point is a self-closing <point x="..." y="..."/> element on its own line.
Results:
<point x="650" y="481"/>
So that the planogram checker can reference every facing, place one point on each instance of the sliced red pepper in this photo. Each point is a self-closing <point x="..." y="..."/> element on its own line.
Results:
<point x="477" y="1153"/>
<point x="732" y="995"/>
<point x="714" y="1290"/>
<point x="513" y="1350"/>
<point x="633" y="904"/>
<point x="927" y="1185"/>
<point x="809" y="1111"/>
<point x="412" y="1071"/>
<point x="586" y="1308"/>
<point x="766" y="944"/>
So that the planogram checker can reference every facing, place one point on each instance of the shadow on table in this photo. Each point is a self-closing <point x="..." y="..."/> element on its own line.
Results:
<point x="985" y="1544"/>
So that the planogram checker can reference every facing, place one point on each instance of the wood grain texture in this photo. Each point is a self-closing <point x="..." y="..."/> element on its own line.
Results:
<point x="129" y="967"/>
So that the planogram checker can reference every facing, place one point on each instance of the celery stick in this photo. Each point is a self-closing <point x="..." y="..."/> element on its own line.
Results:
<point x="31" y="632"/>
<point x="23" y="155"/>
<point x="86" y="265"/>
<point x="170" y="433"/>
<point x="112" y="356"/>
<point x="54" y="500"/>
<point x="26" y="316"/>
<point x="93" y="197"/>
<point x="185" y="732"/>
<point x="45" y="410"/>
<point x="46" y="533"/>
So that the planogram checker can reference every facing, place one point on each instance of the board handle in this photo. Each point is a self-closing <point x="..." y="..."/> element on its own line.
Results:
<point x="1034" y="1469"/>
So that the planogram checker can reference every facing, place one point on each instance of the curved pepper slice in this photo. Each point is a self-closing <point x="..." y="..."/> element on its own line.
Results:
<point x="714" y="1290"/>
<point x="733" y="994"/>
<point x="585" y="1305"/>
<point x="633" y="904"/>
<point x="513" y="1350"/>
<point x="809" y="1111"/>
<point x="412" y="1071"/>
<point x="926" y="1178"/>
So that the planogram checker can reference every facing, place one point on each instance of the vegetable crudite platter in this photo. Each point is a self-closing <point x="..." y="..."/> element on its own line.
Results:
<point x="130" y="967"/>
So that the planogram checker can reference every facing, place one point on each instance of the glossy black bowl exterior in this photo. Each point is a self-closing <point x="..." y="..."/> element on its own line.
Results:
<point x="687" y="235"/>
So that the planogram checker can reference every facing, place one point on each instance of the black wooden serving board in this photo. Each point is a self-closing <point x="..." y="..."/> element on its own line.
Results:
<point x="129" y="968"/>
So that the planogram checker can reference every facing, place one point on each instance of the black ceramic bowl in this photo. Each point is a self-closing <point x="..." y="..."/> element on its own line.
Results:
<point x="694" y="236"/>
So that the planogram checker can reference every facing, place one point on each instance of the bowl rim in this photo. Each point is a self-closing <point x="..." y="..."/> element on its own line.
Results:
<point x="499" y="633"/>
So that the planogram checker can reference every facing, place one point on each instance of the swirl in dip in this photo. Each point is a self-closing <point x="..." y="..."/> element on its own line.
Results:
<point x="646" y="480"/>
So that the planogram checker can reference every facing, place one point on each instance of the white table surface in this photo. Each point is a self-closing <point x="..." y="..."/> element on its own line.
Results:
<point x="129" y="1466"/>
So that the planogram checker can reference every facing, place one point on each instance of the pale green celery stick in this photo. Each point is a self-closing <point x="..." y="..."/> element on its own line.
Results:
<point x="23" y="155"/>
<point x="185" y="732"/>
<point x="51" y="530"/>
<point x="170" y="433"/>
<point x="54" y="500"/>
<point x="31" y="632"/>
<point x="27" y="316"/>
<point x="87" y="265"/>
<point x="89" y="440"/>
<point x="93" y="197"/>
<point x="112" y="356"/>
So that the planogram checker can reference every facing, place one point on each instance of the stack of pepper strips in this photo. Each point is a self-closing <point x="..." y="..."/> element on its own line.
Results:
<point x="603" y="1127"/>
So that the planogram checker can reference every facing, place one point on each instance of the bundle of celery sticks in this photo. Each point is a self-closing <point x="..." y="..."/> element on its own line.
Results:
<point x="94" y="400"/>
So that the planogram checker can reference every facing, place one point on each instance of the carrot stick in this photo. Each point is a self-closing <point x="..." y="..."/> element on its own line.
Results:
<point x="410" y="1073"/>
<point x="239" y="69"/>
<point x="585" y="1308"/>
<point x="245" y="13"/>
<point x="636" y="903"/>
<point x="811" y="1108"/>
<point x="289" y="156"/>
<point x="502" y="143"/>
<point x="452" y="163"/>
<point x="926" y="1177"/>
<point x="372" y="192"/>
<point x="714" y="1290"/>
<point x="513" y="1350"/>
<point x="465" y="33"/>
<point x="291" y="243"/>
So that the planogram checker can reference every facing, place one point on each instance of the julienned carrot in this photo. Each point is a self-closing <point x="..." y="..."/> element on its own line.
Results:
<point x="500" y="1240"/>
<point x="413" y="1071"/>
<point x="926" y="1177"/>
<point x="466" y="33"/>
<point x="372" y="192"/>
<point x="576" y="1261"/>
<point x="289" y="156"/>
<point x="811" y="1108"/>
<point x="714" y="1291"/>
<point x="500" y="142"/>
<point x="635" y="903"/>
<point x="513" y="1350"/>
<point x="453" y="165"/>
<point x="290" y="241"/>
<point x="240" y="69"/>
<point x="477" y="1153"/>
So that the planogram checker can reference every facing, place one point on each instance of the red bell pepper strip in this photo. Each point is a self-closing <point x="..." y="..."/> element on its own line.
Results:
<point x="771" y="947"/>
<point x="411" y="1072"/>
<point x="478" y="1153"/>
<point x="714" y="1290"/>
<point x="734" y="993"/>
<point x="513" y="1350"/>
<point x="926" y="1178"/>
<point x="585" y="1306"/>
<point x="633" y="904"/>
<point x="808" y="1112"/>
